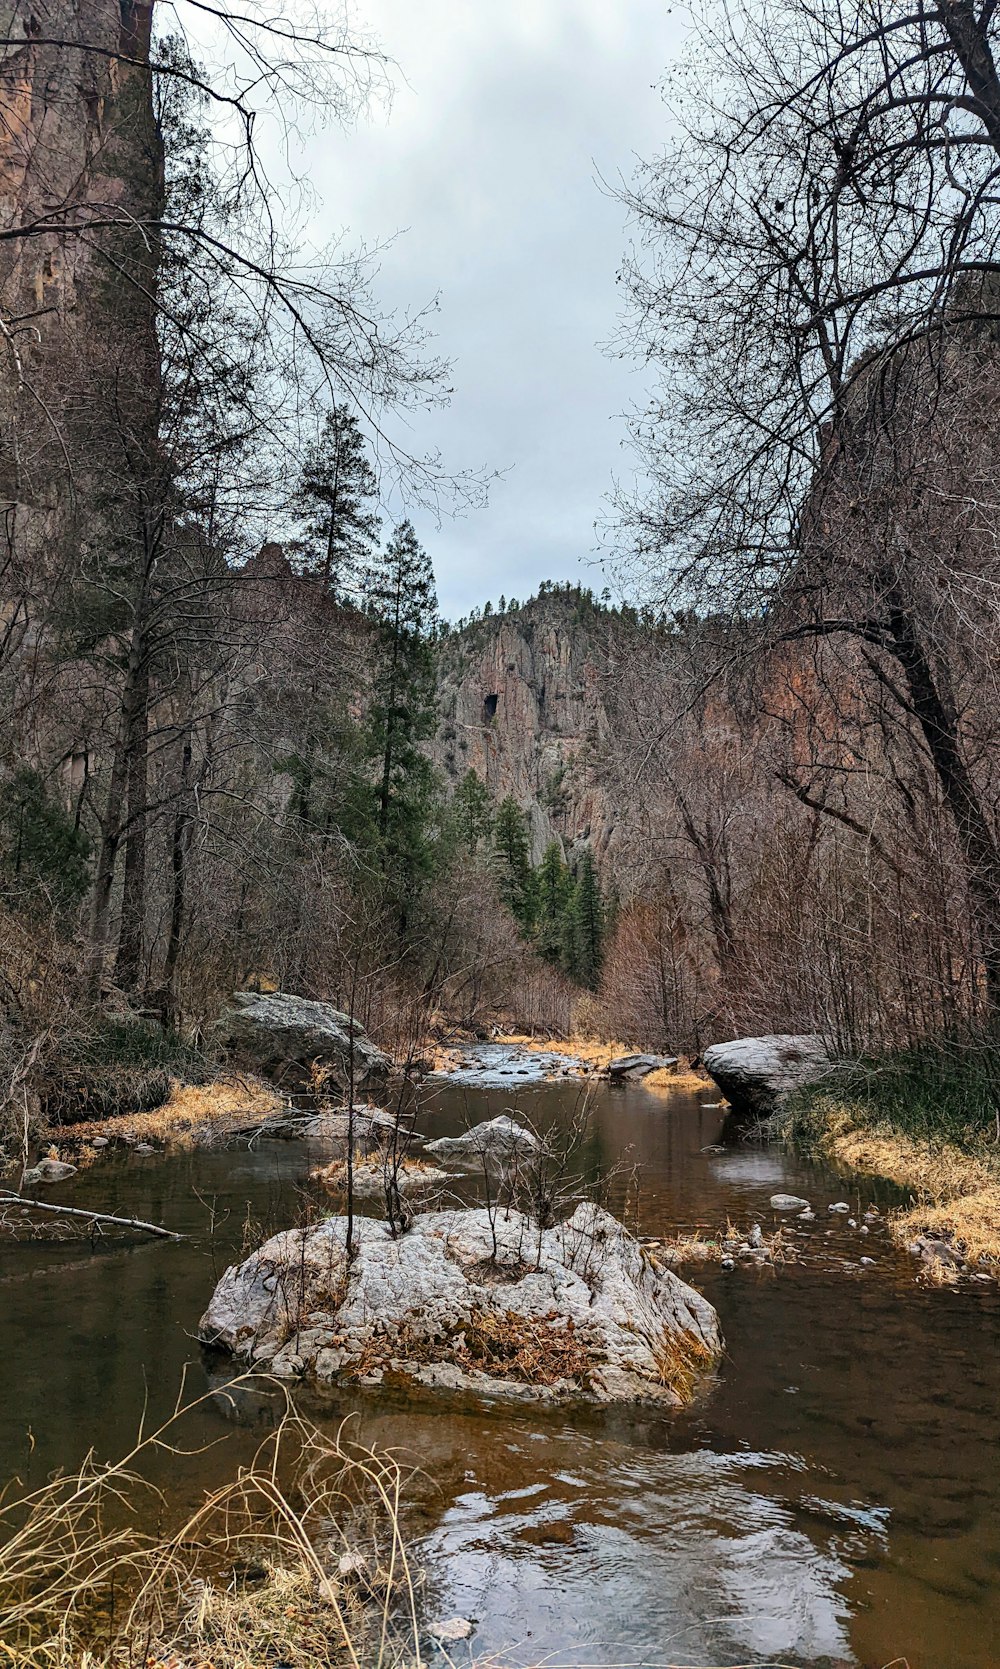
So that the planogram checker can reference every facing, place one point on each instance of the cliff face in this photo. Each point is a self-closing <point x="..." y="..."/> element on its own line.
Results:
<point x="80" y="162"/>
<point x="521" y="704"/>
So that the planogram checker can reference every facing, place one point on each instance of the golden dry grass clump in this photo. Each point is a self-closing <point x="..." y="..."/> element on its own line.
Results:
<point x="369" y="1176"/>
<point x="194" y="1115"/>
<point x="298" y="1556"/>
<point x="958" y="1194"/>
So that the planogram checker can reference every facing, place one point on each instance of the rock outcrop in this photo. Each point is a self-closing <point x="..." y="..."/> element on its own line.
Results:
<point x="474" y="1302"/>
<point x="282" y="1035"/>
<point x="755" y="1074"/>
<point x="522" y="704"/>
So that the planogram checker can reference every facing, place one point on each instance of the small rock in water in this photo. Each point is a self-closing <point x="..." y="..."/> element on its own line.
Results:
<point x="99" y="1141"/>
<point x="841" y="1205"/>
<point x="807" y="1216"/>
<point x="728" y="1263"/>
<point x="755" y="1238"/>
<point x="145" y="1147"/>
<point x="452" y="1628"/>
<point x="352" y="1564"/>
<point x="869" y="1261"/>
<point x="48" y="1170"/>
<point x="863" y="1229"/>
<point x="851" y="1223"/>
<point x="788" y="1202"/>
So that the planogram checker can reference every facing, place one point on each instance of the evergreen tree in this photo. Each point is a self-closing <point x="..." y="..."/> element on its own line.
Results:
<point x="510" y="845"/>
<point x="398" y="595"/>
<point x="472" y="811"/>
<point x="553" y="900"/>
<point x="44" y="856"/>
<point x="588" y="925"/>
<point x="333" y="499"/>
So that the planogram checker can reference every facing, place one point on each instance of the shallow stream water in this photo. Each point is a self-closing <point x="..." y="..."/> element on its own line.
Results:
<point x="833" y="1499"/>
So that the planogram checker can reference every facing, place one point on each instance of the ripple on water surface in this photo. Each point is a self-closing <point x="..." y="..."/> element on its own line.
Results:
<point x="834" y="1499"/>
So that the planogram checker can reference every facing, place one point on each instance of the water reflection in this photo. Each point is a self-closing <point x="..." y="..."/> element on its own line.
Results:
<point x="835" y="1499"/>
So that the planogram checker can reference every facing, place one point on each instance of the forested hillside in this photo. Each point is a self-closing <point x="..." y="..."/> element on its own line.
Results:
<point x="239" y="744"/>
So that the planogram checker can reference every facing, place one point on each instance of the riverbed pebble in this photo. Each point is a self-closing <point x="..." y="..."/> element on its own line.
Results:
<point x="839" y="1205"/>
<point x="788" y="1202"/>
<point x="451" y="1629"/>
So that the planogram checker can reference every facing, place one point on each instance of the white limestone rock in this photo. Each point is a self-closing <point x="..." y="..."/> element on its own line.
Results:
<point x="282" y="1035"/>
<point x="755" y="1074"/>
<point x="497" y="1141"/>
<point x="582" y="1297"/>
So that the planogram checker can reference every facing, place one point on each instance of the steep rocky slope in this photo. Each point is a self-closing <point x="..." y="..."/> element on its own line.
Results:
<point x="522" y="704"/>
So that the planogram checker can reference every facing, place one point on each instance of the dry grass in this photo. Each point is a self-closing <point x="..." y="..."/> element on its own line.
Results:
<point x="196" y="1114"/>
<point x="530" y="1350"/>
<point x="668" y="1080"/>
<point x="679" y="1249"/>
<point x="255" y="1573"/>
<point x="958" y="1194"/>
<point x="510" y="1346"/>
<point x="682" y="1360"/>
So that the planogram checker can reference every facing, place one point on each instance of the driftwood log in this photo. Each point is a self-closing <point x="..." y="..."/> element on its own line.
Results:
<point x="8" y="1198"/>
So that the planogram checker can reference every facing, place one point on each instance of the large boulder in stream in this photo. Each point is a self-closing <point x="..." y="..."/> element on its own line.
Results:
<point x="282" y="1035"/>
<point x="470" y="1301"/>
<point x="755" y="1074"/>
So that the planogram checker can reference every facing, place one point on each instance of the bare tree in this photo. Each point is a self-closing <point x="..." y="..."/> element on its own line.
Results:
<point x="815" y="284"/>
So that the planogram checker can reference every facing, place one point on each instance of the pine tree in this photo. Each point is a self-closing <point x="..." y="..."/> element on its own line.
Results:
<point x="333" y="499"/>
<point x="510" y="845"/>
<point x="472" y="811"/>
<point x="553" y="895"/>
<point x="588" y="924"/>
<point x="397" y="590"/>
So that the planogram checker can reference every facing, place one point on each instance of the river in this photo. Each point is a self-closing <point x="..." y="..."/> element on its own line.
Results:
<point x="834" y="1498"/>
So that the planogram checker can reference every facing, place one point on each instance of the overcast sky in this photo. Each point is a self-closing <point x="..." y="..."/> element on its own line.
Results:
<point x="487" y="165"/>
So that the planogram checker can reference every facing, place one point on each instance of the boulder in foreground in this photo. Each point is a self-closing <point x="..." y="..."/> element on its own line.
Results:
<point x="755" y="1074"/>
<point x="282" y="1035"/>
<point x="462" y="1304"/>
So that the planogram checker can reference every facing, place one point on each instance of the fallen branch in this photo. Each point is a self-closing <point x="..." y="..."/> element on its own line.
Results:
<point x="7" y="1198"/>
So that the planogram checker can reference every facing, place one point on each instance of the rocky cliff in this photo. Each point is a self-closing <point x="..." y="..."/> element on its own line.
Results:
<point x="522" y="704"/>
<point x="81" y="180"/>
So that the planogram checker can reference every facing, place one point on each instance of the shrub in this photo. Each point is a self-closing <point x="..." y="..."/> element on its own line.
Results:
<point x="116" y="1066"/>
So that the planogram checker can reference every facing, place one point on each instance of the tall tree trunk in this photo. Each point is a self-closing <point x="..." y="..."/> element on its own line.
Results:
<point x="180" y="846"/>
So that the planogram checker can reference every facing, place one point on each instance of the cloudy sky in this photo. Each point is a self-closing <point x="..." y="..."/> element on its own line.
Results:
<point x="487" y="165"/>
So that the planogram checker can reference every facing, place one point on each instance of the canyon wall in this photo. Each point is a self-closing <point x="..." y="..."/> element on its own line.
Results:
<point x="522" y="704"/>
